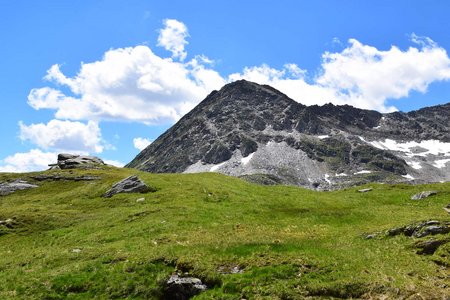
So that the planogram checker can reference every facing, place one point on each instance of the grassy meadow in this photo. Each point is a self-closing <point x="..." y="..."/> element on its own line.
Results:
<point x="68" y="242"/>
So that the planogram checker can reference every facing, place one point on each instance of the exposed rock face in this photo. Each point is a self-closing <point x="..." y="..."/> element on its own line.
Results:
<point x="131" y="184"/>
<point x="423" y="195"/>
<point x="72" y="161"/>
<point x="7" y="188"/>
<point x="181" y="288"/>
<point x="248" y="129"/>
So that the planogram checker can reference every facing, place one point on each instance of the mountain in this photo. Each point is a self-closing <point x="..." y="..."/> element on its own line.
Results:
<point x="258" y="133"/>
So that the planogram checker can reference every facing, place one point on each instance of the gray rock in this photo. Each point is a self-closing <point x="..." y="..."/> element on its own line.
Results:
<point x="430" y="246"/>
<point x="430" y="227"/>
<point x="131" y="184"/>
<point x="423" y="195"/>
<point x="365" y="190"/>
<point x="72" y="161"/>
<point x="180" y="288"/>
<point x="432" y="230"/>
<point x="7" y="188"/>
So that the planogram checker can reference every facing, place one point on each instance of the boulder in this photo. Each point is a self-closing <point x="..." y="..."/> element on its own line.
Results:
<point x="72" y="161"/>
<point x="7" y="188"/>
<point x="180" y="288"/>
<point x="423" y="195"/>
<point x="131" y="184"/>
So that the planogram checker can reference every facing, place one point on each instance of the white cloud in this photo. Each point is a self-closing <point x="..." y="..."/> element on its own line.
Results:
<point x="64" y="136"/>
<point x="173" y="38"/>
<point x="360" y="75"/>
<point x="141" y="143"/>
<point x="130" y="84"/>
<point x="115" y="163"/>
<point x="34" y="160"/>
<point x="135" y="84"/>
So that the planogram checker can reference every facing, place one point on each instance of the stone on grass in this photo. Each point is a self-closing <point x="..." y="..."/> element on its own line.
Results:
<point x="423" y="195"/>
<point x="178" y="288"/>
<point x="7" y="188"/>
<point x="131" y="184"/>
<point x="430" y="246"/>
<point x="365" y="190"/>
<point x="140" y="200"/>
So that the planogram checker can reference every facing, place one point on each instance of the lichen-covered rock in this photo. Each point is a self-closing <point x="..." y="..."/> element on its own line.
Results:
<point x="181" y="288"/>
<point x="131" y="184"/>
<point x="7" y="188"/>
<point x="423" y="195"/>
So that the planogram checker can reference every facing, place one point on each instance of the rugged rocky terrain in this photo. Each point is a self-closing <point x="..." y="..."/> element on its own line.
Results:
<point x="258" y="133"/>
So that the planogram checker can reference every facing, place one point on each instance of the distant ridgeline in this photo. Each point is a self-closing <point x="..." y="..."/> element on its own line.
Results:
<point x="256" y="132"/>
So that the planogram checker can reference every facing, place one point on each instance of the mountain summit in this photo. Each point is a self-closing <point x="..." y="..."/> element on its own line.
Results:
<point x="257" y="132"/>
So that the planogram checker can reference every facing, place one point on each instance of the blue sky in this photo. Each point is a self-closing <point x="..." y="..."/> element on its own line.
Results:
<point x="107" y="77"/>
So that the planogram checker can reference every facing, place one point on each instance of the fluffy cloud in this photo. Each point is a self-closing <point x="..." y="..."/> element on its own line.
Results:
<point x="360" y="75"/>
<point x="34" y="160"/>
<point x="173" y="38"/>
<point x="64" y="136"/>
<point x="141" y="143"/>
<point x="130" y="84"/>
<point x="366" y="77"/>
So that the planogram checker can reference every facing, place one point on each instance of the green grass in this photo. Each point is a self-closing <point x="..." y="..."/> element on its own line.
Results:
<point x="290" y="242"/>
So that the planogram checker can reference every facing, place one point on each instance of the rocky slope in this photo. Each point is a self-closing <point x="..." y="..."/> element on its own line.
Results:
<point x="257" y="132"/>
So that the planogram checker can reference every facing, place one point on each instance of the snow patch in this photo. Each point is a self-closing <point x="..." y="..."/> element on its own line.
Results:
<point x="245" y="160"/>
<point x="321" y="137"/>
<point x="215" y="167"/>
<point x="434" y="147"/>
<point x="414" y="164"/>
<point x="407" y="176"/>
<point x="326" y="178"/>
<point x="441" y="163"/>
<point x="363" y="172"/>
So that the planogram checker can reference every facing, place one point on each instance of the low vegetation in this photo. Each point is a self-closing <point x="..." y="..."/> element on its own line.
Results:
<point x="64" y="240"/>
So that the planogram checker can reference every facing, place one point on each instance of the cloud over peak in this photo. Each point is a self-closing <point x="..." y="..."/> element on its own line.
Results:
<point x="173" y="38"/>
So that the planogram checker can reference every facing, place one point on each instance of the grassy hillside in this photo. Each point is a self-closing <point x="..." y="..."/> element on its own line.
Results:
<point x="68" y="242"/>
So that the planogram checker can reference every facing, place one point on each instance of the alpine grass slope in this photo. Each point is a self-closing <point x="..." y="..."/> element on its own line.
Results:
<point x="64" y="240"/>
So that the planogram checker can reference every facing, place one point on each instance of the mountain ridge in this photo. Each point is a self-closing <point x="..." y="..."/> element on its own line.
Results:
<point x="244" y="118"/>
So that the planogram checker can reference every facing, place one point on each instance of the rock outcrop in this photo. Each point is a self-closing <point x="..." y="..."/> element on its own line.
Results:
<point x="131" y="184"/>
<point x="423" y="195"/>
<point x="7" y="188"/>
<point x="72" y="161"/>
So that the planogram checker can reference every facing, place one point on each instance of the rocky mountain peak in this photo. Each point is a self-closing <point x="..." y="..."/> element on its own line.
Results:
<point x="247" y="129"/>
